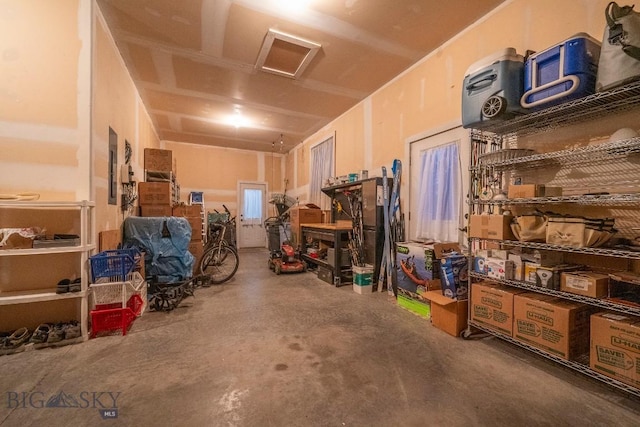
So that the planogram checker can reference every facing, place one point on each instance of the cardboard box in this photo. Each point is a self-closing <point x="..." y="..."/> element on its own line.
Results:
<point x="447" y="314"/>
<point x="499" y="268"/>
<point x="549" y="277"/>
<point x="454" y="275"/>
<point x="585" y="283"/>
<point x="491" y="227"/>
<point x="557" y="326"/>
<point x="529" y="272"/>
<point x="492" y="306"/>
<point x="196" y="248"/>
<point x="15" y="241"/>
<point x="615" y="347"/>
<point x="154" y="193"/>
<point x="418" y="267"/>
<point x="156" y="210"/>
<point x="421" y="308"/>
<point x="188" y="211"/>
<point x="196" y="227"/>
<point x="525" y="191"/>
<point x="158" y="160"/>
<point x="302" y="214"/>
<point x="518" y="266"/>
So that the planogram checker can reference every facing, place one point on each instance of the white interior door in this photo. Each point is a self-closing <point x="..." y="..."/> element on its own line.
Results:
<point x="252" y="207"/>
<point x="459" y="135"/>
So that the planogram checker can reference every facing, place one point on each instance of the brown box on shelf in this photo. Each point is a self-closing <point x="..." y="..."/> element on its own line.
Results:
<point x="496" y="227"/>
<point x="154" y="193"/>
<point x="303" y="214"/>
<point x="447" y="314"/>
<point x="155" y="210"/>
<point x="188" y="211"/>
<point x="615" y="347"/>
<point x="525" y="191"/>
<point x="556" y="326"/>
<point x="16" y="241"/>
<point x="585" y="283"/>
<point x="528" y="191"/>
<point x="159" y="160"/>
<point x="492" y="306"/>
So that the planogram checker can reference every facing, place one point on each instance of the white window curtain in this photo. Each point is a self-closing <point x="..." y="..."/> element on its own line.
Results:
<point x="321" y="169"/>
<point x="252" y="209"/>
<point x="440" y="193"/>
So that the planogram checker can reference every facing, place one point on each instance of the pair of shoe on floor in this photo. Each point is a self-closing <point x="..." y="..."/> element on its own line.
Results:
<point x="11" y="341"/>
<point x="53" y="333"/>
<point x="67" y="285"/>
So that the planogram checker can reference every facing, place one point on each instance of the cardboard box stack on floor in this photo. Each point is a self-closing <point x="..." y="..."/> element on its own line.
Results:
<point x="193" y="214"/>
<point x="556" y="326"/>
<point x="615" y="347"/>
<point x="156" y="198"/>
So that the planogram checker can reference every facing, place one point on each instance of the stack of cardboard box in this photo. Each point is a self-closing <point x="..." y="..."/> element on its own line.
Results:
<point x="193" y="213"/>
<point x="157" y="197"/>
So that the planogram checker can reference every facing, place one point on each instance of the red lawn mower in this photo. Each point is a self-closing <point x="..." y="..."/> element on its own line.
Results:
<point x="283" y="258"/>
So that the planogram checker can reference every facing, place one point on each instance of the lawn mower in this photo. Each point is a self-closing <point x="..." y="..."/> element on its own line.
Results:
<point x="283" y="257"/>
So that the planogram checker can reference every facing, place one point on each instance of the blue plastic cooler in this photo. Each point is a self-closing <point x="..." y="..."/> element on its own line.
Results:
<point x="561" y="73"/>
<point x="492" y="89"/>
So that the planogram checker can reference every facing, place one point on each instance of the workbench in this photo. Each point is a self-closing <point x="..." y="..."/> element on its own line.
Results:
<point x="328" y="235"/>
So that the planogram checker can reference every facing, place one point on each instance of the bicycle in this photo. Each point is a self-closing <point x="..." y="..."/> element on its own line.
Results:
<point x="220" y="259"/>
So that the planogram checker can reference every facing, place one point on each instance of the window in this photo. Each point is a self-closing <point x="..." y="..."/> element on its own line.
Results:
<point x="252" y="209"/>
<point x="321" y="169"/>
<point x="440" y="190"/>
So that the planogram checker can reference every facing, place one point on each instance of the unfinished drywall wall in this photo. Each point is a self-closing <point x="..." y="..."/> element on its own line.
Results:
<point x="215" y="171"/>
<point x="116" y="105"/>
<point x="428" y="96"/>
<point x="45" y="98"/>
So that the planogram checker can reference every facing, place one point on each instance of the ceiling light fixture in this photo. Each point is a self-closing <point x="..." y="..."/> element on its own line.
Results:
<point x="285" y="54"/>
<point x="281" y="142"/>
<point x="237" y="120"/>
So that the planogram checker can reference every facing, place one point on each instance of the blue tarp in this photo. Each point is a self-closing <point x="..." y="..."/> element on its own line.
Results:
<point x="165" y="242"/>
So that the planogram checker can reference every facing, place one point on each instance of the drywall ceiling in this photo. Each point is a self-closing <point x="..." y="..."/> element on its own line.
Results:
<point x="196" y="62"/>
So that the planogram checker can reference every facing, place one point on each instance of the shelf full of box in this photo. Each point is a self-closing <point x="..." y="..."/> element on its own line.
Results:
<point x="604" y="303"/>
<point x="611" y="252"/>
<point x="494" y="136"/>
<point x="575" y="365"/>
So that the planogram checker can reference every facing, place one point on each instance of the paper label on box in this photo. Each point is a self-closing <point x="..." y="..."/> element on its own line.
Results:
<point x="578" y="283"/>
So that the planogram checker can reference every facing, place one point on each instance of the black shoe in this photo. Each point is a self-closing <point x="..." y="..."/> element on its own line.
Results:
<point x="41" y="334"/>
<point x="63" y="286"/>
<point x="75" y="286"/>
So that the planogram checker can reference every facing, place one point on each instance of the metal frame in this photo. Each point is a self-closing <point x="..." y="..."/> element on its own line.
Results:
<point x="576" y="366"/>
<point x="495" y="134"/>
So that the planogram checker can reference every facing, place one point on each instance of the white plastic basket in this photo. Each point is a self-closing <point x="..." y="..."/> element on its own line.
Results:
<point x="107" y="294"/>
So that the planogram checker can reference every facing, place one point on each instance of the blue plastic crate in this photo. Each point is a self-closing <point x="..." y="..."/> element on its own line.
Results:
<point x="115" y="265"/>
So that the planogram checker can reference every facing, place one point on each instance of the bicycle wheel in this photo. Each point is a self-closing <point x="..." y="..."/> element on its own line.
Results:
<point x="219" y="263"/>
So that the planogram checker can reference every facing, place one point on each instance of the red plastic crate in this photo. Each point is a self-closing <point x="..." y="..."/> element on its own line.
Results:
<point x="136" y="304"/>
<point x="111" y="320"/>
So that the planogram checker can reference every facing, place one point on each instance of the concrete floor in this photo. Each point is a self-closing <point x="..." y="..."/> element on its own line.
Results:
<point x="291" y="350"/>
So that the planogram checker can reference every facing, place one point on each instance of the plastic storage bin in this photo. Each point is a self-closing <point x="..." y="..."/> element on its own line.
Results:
<point x="111" y="320"/>
<point x="113" y="266"/>
<point x="492" y="88"/>
<point x="561" y="73"/>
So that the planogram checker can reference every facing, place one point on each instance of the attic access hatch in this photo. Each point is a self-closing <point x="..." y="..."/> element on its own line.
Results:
<point x="285" y="55"/>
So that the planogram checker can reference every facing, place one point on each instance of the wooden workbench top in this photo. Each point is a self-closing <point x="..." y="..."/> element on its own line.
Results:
<point x="331" y="226"/>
